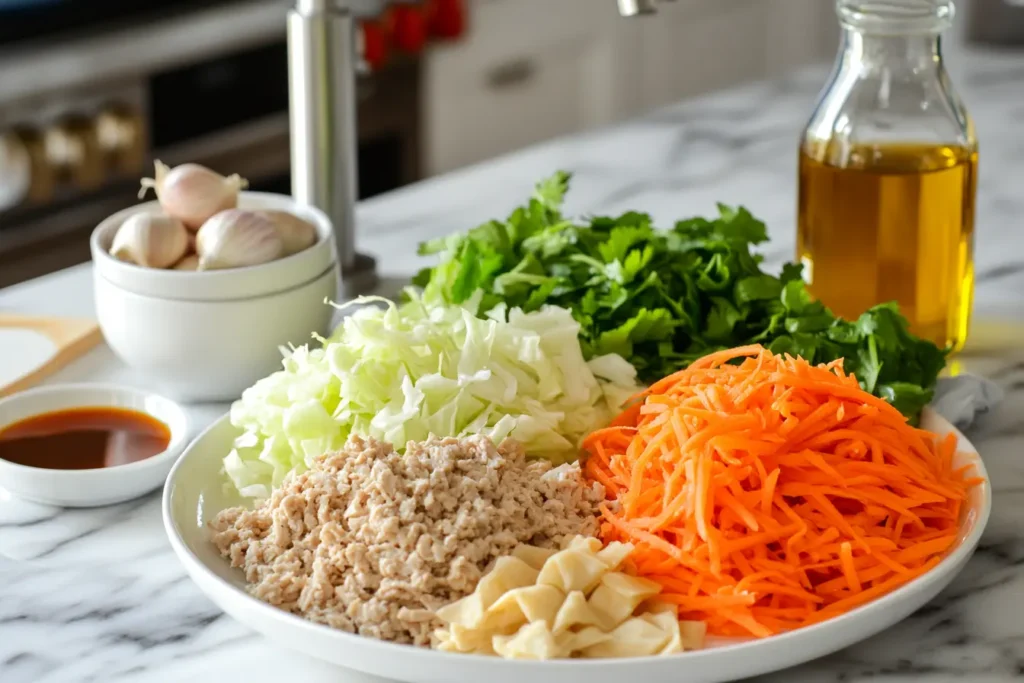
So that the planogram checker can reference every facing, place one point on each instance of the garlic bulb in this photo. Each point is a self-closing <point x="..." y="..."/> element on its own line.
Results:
<point x="296" y="233"/>
<point x="190" y="262"/>
<point x="236" y="238"/>
<point x="151" y="240"/>
<point x="193" y="193"/>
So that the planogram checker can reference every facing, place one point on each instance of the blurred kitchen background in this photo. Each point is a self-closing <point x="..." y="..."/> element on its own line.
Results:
<point x="91" y="91"/>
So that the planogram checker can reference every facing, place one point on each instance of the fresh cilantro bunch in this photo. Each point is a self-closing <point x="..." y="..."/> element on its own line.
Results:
<point x="663" y="298"/>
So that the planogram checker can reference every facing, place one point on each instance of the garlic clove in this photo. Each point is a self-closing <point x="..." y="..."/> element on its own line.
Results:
<point x="150" y="240"/>
<point x="193" y="193"/>
<point x="190" y="262"/>
<point x="296" y="233"/>
<point x="235" y="238"/>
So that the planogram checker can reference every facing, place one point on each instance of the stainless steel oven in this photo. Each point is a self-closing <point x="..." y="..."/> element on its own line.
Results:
<point x="82" y="118"/>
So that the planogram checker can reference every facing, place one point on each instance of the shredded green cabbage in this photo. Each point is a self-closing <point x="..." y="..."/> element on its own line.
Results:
<point x="402" y="373"/>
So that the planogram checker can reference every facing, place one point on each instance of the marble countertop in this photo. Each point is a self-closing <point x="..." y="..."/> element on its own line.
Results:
<point x="96" y="595"/>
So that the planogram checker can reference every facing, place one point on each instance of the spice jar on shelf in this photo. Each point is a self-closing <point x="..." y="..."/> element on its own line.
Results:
<point x="888" y="172"/>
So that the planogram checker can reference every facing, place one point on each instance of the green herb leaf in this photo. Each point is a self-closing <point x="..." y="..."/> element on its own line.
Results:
<point x="721" y="321"/>
<point x="738" y="224"/>
<point x="795" y="297"/>
<point x="757" y="288"/>
<point x="908" y="398"/>
<point x="646" y="325"/>
<point x="477" y="265"/>
<point x="551" y="191"/>
<point x="809" y="323"/>
<point x="663" y="298"/>
<point x="791" y="271"/>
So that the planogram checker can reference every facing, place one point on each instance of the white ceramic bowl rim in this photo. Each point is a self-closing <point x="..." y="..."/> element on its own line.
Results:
<point x="749" y="647"/>
<point x="225" y="284"/>
<point x="261" y="295"/>
<point x="179" y="431"/>
<point x="99" y="239"/>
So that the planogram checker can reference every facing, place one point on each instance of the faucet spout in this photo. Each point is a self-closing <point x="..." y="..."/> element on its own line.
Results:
<point x="632" y="8"/>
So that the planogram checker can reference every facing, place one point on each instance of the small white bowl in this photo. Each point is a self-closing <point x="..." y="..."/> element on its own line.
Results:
<point x="92" y="487"/>
<point x="211" y="350"/>
<point x="216" y="285"/>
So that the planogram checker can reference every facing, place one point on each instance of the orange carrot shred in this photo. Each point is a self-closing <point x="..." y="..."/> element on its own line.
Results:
<point x="849" y="569"/>
<point x="765" y="493"/>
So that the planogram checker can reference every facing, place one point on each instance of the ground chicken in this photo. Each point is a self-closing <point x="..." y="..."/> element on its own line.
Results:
<point x="371" y="541"/>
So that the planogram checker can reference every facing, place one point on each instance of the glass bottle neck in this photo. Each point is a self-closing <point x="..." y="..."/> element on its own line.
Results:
<point x="913" y="52"/>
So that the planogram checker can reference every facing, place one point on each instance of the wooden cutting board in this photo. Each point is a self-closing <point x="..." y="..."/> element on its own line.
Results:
<point x="31" y="348"/>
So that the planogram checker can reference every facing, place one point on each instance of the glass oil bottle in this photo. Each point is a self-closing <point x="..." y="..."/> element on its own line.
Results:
<point x="888" y="174"/>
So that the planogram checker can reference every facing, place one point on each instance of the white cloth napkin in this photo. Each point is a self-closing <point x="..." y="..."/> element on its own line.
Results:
<point x="962" y="398"/>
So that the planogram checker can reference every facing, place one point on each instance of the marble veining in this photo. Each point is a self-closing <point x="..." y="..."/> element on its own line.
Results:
<point x="96" y="595"/>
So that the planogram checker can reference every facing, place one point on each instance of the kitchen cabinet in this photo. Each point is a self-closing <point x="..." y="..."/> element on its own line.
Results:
<point x="695" y="47"/>
<point x="530" y="70"/>
<point x="800" y="32"/>
<point x="686" y="53"/>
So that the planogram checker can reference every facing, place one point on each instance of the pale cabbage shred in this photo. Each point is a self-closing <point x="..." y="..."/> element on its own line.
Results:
<point x="403" y="373"/>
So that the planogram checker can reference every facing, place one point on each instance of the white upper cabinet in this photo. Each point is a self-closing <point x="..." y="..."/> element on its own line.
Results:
<point x="530" y="70"/>
<point x="692" y="50"/>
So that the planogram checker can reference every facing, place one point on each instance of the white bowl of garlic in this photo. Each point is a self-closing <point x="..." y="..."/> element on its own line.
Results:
<point x="200" y="289"/>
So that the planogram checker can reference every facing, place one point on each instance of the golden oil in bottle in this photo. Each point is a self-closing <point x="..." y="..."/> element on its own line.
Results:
<point x="894" y="222"/>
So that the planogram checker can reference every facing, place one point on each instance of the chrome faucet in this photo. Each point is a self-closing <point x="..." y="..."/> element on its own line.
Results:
<point x="323" y="54"/>
<point x="632" y="8"/>
<point x="322" y="58"/>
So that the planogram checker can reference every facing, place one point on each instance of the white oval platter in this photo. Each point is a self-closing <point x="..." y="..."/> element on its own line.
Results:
<point x="196" y="491"/>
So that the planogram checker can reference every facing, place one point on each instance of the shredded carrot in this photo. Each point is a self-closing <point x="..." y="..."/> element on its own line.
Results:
<point x="765" y="493"/>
